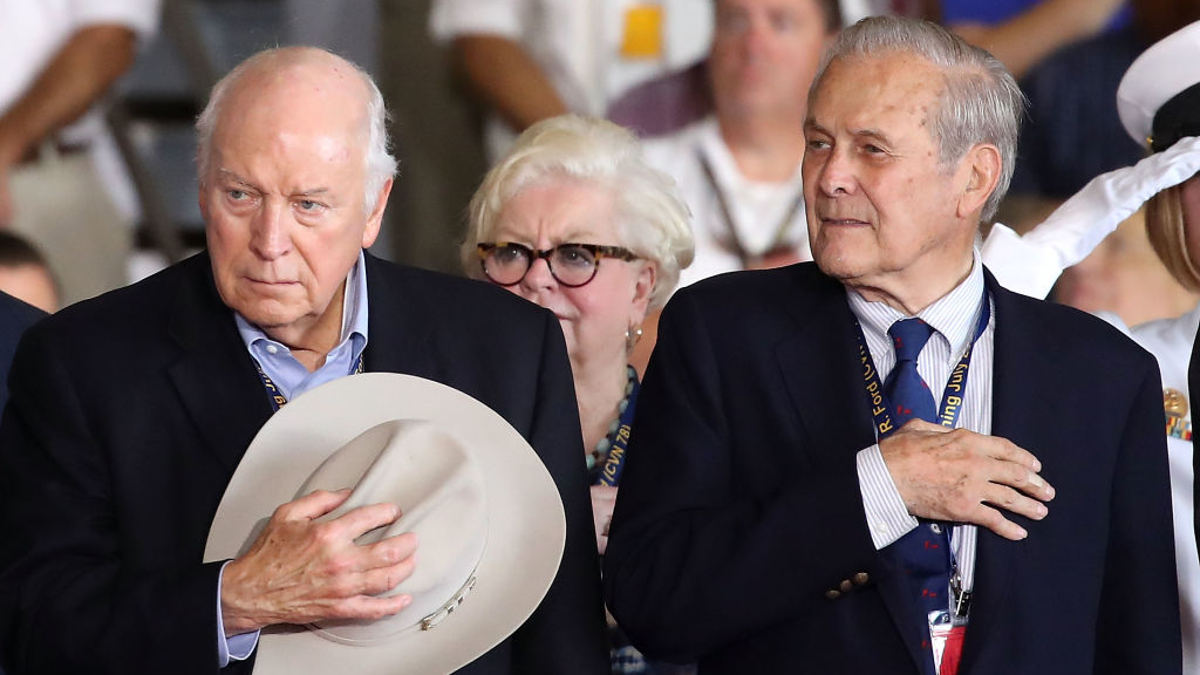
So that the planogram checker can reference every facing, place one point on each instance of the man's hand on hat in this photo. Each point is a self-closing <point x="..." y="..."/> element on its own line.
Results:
<point x="960" y="476"/>
<point x="300" y="570"/>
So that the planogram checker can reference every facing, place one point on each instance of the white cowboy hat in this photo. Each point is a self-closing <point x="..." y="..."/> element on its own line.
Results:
<point x="487" y="514"/>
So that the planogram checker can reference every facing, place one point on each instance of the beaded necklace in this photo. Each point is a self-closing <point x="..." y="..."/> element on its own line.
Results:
<point x="598" y="454"/>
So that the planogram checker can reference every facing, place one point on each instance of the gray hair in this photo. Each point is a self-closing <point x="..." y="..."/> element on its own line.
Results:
<point x="652" y="220"/>
<point x="381" y="165"/>
<point x="981" y="102"/>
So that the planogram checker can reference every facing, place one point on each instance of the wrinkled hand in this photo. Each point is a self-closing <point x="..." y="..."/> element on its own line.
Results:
<point x="299" y="571"/>
<point x="604" y="498"/>
<point x="961" y="476"/>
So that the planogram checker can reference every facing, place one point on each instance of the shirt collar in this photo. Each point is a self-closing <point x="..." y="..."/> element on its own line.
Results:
<point x="954" y="316"/>
<point x="354" y="313"/>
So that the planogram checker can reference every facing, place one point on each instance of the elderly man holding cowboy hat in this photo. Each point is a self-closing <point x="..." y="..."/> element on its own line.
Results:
<point x="132" y="414"/>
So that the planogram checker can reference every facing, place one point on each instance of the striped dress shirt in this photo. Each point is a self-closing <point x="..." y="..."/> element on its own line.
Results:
<point x="955" y="318"/>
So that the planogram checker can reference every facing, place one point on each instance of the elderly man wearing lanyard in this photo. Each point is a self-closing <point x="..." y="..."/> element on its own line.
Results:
<point x="130" y="413"/>
<point x="789" y="513"/>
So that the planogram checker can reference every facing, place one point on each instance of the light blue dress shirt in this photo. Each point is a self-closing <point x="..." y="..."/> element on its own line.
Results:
<point x="292" y="380"/>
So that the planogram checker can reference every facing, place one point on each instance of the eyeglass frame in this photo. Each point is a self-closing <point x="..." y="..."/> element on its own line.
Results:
<point x="598" y="251"/>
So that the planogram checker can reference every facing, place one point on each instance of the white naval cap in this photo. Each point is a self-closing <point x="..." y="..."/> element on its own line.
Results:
<point x="1167" y="72"/>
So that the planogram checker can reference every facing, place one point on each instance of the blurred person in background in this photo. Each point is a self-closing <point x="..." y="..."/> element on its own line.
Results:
<point x="1069" y="56"/>
<point x="1124" y="276"/>
<point x="15" y="317"/>
<point x="1022" y="33"/>
<point x="59" y="170"/>
<point x="739" y="168"/>
<point x="24" y="273"/>
<point x="574" y="220"/>
<point x="533" y="59"/>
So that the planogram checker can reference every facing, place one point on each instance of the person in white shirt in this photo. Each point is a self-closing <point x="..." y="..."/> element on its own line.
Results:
<point x="739" y="168"/>
<point x="534" y="59"/>
<point x="60" y="183"/>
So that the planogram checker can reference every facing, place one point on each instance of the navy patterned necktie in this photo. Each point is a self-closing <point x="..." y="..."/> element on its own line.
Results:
<point x="922" y="551"/>
<point x="905" y="390"/>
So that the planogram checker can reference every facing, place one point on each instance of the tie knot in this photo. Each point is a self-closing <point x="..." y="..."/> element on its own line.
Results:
<point x="909" y="337"/>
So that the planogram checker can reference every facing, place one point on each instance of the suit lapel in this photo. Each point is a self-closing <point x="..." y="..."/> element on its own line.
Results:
<point x="215" y="377"/>
<point x="400" y="333"/>
<point x="997" y="560"/>
<point x="824" y="350"/>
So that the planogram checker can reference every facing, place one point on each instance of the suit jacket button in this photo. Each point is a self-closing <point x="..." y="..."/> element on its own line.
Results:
<point x="860" y="579"/>
<point x="833" y="594"/>
<point x="845" y="586"/>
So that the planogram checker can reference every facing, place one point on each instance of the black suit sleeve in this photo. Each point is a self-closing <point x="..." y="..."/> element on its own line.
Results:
<point x="1137" y="628"/>
<point x="709" y="543"/>
<point x="567" y="632"/>
<point x="69" y="601"/>
<point x="15" y="317"/>
<point x="1194" y="386"/>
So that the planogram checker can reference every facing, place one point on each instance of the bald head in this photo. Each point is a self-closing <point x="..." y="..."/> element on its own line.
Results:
<point x="300" y="90"/>
<point x="289" y="157"/>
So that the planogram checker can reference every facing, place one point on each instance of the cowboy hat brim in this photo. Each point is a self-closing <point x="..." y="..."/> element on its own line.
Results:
<point x="526" y="522"/>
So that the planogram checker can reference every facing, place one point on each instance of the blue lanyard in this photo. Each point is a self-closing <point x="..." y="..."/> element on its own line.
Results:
<point x="948" y="412"/>
<point x="278" y="400"/>
<point x="952" y="397"/>
<point x="610" y="470"/>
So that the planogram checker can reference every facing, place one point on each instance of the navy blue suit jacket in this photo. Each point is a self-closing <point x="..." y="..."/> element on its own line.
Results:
<point x="130" y="412"/>
<point x="15" y="317"/>
<point x="1193" y="389"/>
<point x="740" y="506"/>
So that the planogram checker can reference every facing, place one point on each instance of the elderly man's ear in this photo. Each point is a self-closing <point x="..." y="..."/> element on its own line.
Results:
<point x="980" y="169"/>
<point x="376" y="216"/>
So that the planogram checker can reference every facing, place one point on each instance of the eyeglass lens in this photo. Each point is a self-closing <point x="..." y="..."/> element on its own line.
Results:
<point x="570" y="264"/>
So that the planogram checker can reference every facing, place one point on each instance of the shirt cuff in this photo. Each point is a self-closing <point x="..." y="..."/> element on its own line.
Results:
<point x="887" y="517"/>
<point x="238" y="647"/>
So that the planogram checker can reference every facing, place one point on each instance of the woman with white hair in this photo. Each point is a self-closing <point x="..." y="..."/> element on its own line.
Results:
<point x="573" y="219"/>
